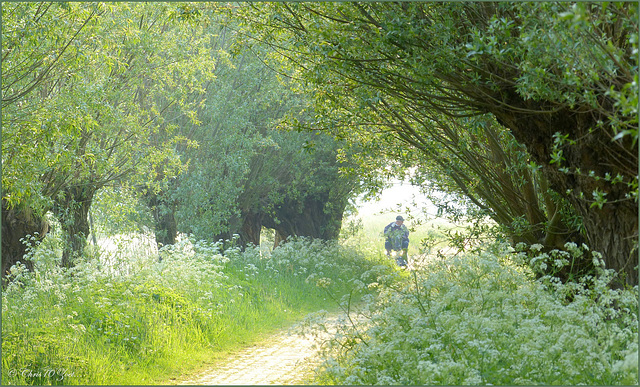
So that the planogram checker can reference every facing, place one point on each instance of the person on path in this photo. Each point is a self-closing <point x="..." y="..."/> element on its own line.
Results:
<point x="397" y="239"/>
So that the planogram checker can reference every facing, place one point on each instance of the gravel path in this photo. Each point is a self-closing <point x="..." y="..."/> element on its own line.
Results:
<point x="284" y="359"/>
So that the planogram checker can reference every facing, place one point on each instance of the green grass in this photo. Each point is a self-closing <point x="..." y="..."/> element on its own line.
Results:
<point x="366" y="232"/>
<point x="478" y="318"/>
<point x="139" y="321"/>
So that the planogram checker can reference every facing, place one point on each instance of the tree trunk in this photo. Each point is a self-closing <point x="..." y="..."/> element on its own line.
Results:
<point x="163" y="210"/>
<point x="279" y="238"/>
<point x="611" y="230"/>
<point x="317" y="218"/>
<point x="72" y="210"/>
<point x="251" y="227"/>
<point x="247" y="227"/>
<point x="17" y="223"/>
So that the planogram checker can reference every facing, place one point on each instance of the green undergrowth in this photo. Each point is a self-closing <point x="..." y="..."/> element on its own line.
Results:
<point x="140" y="321"/>
<point x="485" y="318"/>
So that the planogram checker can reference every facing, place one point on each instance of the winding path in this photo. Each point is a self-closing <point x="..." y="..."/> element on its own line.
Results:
<point x="286" y="358"/>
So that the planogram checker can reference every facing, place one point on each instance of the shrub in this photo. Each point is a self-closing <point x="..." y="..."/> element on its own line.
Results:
<point x="482" y="319"/>
<point x="129" y="317"/>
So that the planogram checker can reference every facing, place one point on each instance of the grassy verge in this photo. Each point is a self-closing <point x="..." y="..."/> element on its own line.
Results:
<point x="141" y="321"/>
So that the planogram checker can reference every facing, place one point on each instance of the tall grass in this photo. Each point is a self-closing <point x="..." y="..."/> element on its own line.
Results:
<point x="129" y="319"/>
<point x="483" y="318"/>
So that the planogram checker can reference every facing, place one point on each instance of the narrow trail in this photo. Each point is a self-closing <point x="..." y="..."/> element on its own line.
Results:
<point x="286" y="358"/>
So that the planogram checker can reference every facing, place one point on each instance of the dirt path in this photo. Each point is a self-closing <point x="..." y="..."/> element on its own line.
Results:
<point x="285" y="358"/>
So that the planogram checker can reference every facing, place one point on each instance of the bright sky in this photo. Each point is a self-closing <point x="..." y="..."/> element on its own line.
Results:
<point x="400" y="193"/>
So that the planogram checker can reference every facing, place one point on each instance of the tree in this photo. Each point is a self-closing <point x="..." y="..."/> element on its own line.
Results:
<point x="230" y="124"/>
<point x="92" y="124"/>
<point x="244" y="172"/>
<point x="298" y="188"/>
<point x="34" y="67"/>
<point x="422" y="68"/>
<point x="143" y="73"/>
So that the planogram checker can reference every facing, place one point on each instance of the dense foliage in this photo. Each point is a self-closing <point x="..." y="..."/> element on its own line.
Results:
<point x="102" y="73"/>
<point x="160" y="102"/>
<point x="481" y="319"/>
<point x="173" y="127"/>
<point x="181" y="102"/>
<point x="138" y="320"/>
<point x="484" y="100"/>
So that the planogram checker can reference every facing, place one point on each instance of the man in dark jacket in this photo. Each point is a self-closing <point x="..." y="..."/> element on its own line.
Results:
<point x="396" y="239"/>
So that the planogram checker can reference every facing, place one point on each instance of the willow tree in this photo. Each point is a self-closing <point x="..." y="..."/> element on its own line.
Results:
<point x="561" y="78"/>
<point x="39" y="57"/>
<point x="92" y="118"/>
<point x="246" y="170"/>
<point x="298" y="186"/>
<point x="228" y="127"/>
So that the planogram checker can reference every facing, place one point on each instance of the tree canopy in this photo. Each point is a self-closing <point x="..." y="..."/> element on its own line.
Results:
<point x="525" y="111"/>
<point x="153" y="99"/>
<point x="560" y="78"/>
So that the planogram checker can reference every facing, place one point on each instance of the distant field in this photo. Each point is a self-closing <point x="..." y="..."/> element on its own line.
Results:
<point x="371" y="233"/>
<point x="400" y="199"/>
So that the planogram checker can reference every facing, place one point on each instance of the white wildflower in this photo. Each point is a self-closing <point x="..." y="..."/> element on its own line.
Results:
<point x="536" y="247"/>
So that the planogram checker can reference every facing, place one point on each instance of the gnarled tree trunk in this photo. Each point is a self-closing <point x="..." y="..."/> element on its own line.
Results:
<point x="248" y="227"/>
<point x="610" y="228"/>
<point x="317" y="217"/>
<point x="251" y="227"/>
<point x="72" y="210"/>
<point x="17" y="223"/>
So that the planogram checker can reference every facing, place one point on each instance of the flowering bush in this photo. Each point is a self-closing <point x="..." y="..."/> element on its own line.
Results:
<point x="323" y="264"/>
<point x="127" y="314"/>
<point x="484" y="319"/>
